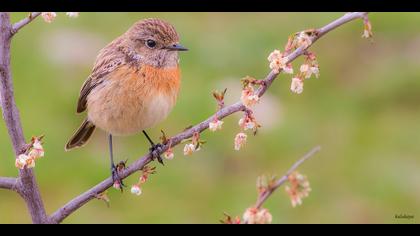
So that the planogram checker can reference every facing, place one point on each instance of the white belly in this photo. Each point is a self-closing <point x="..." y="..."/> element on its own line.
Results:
<point x="128" y="113"/>
<point x="155" y="111"/>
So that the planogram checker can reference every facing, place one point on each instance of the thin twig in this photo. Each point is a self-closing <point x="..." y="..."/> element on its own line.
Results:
<point x="9" y="183"/>
<point x="262" y="198"/>
<point x="19" y="25"/>
<point x="85" y="197"/>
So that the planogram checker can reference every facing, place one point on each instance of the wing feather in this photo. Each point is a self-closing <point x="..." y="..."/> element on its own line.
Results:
<point x="108" y="60"/>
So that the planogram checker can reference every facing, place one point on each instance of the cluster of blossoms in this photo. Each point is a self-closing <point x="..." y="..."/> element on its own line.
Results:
<point x="303" y="38"/>
<point x="310" y="67"/>
<point x="265" y="183"/>
<point x="50" y="16"/>
<point x="33" y="152"/>
<point x="248" y="122"/>
<point x="307" y="69"/>
<point x="146" y="171"/>
<point x="248" y="96"/>
<point x="298" y="189"/>
<point x="194" y="145"/>
<point x="300" y="39"/>
<point x="279" y="61"/>
<point x="254" y="215"/>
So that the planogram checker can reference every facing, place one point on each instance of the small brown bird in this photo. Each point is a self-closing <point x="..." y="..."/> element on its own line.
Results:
<point x="134" y="85"/>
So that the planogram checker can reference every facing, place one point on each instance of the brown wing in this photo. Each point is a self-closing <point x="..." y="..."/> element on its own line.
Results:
<point x="87" y="87"/>
<point x="109" y="59"/>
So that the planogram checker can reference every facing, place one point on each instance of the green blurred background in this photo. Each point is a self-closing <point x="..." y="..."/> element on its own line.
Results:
<point x="364" y="111"/>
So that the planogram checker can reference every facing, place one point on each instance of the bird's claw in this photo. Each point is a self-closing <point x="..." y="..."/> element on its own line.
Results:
<point x="116" y="177"/>
<point x="155" y="150"/>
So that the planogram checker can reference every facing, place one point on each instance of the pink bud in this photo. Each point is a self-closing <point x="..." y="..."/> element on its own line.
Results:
<point x="169" y="154"/>
<point x="117" y="185"/>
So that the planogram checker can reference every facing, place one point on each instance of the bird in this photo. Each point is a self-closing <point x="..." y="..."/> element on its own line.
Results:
<point x="134" y="85"/>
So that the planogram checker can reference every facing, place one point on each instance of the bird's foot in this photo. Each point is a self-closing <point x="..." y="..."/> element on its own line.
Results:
<point x="155" y="150"/>
<point x="116" y="179"/>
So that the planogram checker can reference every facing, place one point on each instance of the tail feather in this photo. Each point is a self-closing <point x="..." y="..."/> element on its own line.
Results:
<point x="81" y="136"/>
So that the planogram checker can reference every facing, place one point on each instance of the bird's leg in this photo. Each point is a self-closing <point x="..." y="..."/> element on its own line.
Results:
<point x="114" y="170"/>
<point x="155" y="149"/>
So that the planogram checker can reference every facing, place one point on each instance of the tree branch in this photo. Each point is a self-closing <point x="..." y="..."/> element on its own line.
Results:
<point x="82" y="199"/>
<point x="85" y="197"/>
<point x="320" y="32"/>
<point x="262" y="198"/>
<point x="28" y="187"/>
<point x="19" y="25"/>
<point x="9" y="183"/>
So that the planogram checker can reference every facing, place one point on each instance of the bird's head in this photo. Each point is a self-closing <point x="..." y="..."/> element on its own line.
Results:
<point x="156" y="42"/>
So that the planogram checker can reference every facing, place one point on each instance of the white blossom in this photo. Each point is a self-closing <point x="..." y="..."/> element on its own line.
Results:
<point x="189" y="149"/>
<point x="48" y="16"/>
<point x="135" y="189"/>
<point x="240" y="140"/>
<point x="297" y="85"/>
<point x="215" y="125"/>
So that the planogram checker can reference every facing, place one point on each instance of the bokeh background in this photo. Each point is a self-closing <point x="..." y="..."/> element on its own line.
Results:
<point x="364" y="111"/>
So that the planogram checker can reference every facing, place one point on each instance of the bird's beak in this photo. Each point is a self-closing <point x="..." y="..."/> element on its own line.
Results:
<point x="177" y="47"/>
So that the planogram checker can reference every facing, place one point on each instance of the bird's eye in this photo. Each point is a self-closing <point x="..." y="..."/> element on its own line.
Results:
<point x="150" y="43"/>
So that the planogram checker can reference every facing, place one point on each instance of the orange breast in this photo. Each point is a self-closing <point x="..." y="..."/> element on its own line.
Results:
<point x="159" y="80"/>
<point x="134" y="99"/>
<point x="147" y="81"/>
